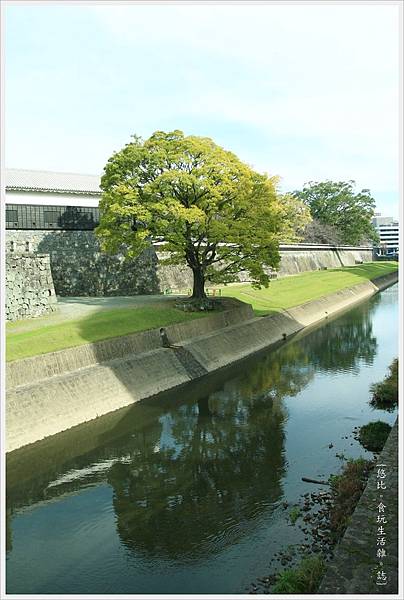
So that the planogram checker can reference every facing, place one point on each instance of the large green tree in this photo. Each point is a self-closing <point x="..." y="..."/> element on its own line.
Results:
<point x="336" y="204"/>
<point x="207" y="208"/>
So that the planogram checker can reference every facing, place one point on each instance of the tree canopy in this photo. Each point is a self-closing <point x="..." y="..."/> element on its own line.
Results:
<point x="317" y="232"/>
<point x="206" y="207"/>
<point x="335" y="204"/>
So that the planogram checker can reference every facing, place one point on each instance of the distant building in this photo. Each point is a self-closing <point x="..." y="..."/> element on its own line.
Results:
<point x="49" y="200"/>
<point x="388" y="230"/>
<point x="48" y="187"/>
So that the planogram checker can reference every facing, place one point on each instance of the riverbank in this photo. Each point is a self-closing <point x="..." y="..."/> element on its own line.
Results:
<point x="84" y="320"/>
<point x="287" y="292"/>
<point x="363" y="565"/>
<point x="56" y="391"/>
<point x="79" y="321"/>
<point x="221" y="456"/>
<point x="342" y="526"/>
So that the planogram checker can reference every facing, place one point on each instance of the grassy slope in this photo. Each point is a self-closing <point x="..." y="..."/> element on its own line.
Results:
<point x="97" y="326"/>
<point x="291" y="291"/>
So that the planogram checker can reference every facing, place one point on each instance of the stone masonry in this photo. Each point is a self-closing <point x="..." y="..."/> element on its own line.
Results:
<point x="29" y="286"/>
<point x="80" y="268"/>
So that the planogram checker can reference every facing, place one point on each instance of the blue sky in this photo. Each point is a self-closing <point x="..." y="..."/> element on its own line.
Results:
<point x="304" y="92"/>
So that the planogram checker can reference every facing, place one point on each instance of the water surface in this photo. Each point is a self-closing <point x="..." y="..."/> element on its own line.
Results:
<point x="184" y="493"/>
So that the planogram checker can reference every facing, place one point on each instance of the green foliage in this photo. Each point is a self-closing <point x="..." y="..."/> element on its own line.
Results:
<point x="206" y="208"/>
<point x="385" y="393"/>
<point x="335" y="204"/>
<point x="347" y="488"/>
<point x="305" y="579"/>
<point x="294" y="514"/>
<point x="373" y="436"/>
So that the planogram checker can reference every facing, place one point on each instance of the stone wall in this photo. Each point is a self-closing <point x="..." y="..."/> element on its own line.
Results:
<point x="29" y="286"/>
<point x="355" y="568"/>
<point x="294" y="260"/>
<point x="79" y="268"/>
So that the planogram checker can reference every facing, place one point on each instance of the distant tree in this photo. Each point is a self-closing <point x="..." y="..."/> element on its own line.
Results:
<point x="297" y="218"/>
<point x="335" y="204"/>
<point x="317" y="232"/>
<point x="208" y="209"/>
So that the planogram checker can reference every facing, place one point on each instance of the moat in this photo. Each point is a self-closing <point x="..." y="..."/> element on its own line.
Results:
<point x="184" y="493"/>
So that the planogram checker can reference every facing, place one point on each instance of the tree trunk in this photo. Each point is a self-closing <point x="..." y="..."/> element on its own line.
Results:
<point x="203" y="407"/>
<point x="199" y="284"/>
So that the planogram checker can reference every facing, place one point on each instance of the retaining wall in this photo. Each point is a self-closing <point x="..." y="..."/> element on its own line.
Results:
<point x="294" y="261"/>
<point x="29" y="286"/>
<point x="79" y="268"/>
<point x="83" y="383"/>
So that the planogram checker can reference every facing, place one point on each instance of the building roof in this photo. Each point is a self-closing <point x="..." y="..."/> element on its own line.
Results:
<point x="51" y="181"/>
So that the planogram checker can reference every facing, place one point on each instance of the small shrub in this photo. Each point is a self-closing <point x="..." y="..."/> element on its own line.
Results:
<point x="294" y="514"/>
<point x="373" y="436"/>
<point x="305" y="579"/>
<point x="347" y="488"/>
<point x="385" y="393"/>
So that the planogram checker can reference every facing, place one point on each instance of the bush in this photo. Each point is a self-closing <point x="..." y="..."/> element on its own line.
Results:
<point x="385" y="393"/>
<point x="373" y="436"/>
<point x="305" y="579"/>
<point x="347" y="488"/>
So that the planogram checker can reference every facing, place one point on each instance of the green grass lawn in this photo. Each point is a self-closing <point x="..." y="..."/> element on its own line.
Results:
<point x="297" y="289"/>
<point x="43" y="337"/>
<point x="38" y="336"/>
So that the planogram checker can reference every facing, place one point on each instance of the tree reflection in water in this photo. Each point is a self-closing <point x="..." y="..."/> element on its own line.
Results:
<point x="202" y="476"/>
<point x="339" y="348"/>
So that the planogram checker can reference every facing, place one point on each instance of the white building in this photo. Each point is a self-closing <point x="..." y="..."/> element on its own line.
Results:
<point x="49" y="200"/>
<point x="25" y="186"/>
<point x="388" y="230"/>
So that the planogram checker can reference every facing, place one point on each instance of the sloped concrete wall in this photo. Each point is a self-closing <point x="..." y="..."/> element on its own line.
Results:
<point x="32" y="370"/>
<point x="234" y="343"/>
<point x="39" y="408"/>
<point x="299" y="261"/>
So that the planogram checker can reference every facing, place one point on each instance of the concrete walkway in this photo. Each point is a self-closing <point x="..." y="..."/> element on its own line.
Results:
<point x="366" y="560"/>
<point x="76" y="307"/>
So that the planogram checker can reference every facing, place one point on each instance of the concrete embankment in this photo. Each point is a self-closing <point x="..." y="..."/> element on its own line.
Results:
<point x="54" y="392"/>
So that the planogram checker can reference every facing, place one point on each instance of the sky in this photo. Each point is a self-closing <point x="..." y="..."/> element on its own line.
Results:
<point x="305" y="92"/>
